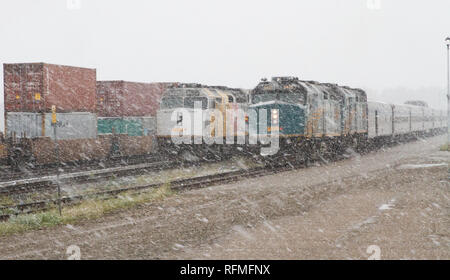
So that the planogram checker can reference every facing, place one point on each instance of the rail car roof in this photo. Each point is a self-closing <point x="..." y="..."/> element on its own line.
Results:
<point x="378" y="102"/>
<point x="291" y="84"/>
<point x="239" y="95"/>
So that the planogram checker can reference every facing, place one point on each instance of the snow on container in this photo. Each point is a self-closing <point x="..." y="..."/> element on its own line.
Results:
<point x="35" y="87"/>
<point x="78" y="125"/>
<point x="128" y="99"/>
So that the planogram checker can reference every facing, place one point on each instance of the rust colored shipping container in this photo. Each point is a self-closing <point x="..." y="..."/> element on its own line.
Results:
<point x="128" y="99"/>
<point x="71" y="150"/>
<point x="89" y="149"/>
<point x="35" y="87"/>
<point x="135" y="145"/>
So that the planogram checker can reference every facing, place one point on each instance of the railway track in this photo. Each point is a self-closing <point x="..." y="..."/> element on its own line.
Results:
<point x="49" y="170"/>
<point x="177" y="185"/>
<point x="50" y="182"/>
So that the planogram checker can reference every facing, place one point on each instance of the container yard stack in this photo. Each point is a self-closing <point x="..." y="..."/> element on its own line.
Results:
<point x="30" y="91"/>
<point x="128" y="107"/>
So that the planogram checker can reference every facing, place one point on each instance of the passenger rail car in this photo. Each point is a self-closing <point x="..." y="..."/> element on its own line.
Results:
<point x="391" y="122"/>
<point x="380" y="119"/>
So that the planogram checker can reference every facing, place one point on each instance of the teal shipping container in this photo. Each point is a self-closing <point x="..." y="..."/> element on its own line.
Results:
<point x="131" y="126"/>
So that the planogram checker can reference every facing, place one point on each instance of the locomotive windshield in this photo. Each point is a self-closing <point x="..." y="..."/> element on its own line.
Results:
<point x="292" y="97"/>
<point x="171" y="102"/>
<point x="263" y="97"/>
<point x="289" y="97"/>
<point x="190" y="101"/>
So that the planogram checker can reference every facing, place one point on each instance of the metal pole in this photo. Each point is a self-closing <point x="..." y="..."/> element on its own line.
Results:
<point x="57" y="169"/>
<point x="448" y="93"/>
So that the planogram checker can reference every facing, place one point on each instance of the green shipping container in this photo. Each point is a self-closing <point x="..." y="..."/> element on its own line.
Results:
<point x="128" y="126"/>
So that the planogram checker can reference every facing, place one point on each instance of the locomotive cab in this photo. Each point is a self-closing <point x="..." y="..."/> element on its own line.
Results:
<point x="283" y="100"/>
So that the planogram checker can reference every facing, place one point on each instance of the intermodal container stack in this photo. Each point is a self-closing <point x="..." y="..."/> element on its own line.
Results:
<point x="128" y="107"/>
<point x="32" y="89"/>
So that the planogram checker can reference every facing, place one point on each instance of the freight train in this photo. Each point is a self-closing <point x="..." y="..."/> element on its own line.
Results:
<point x="310" y="119"/>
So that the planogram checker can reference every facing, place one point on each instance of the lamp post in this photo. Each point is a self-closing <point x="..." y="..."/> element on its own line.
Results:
<point x="54" y="124"/>
<point x="447" y="41"/>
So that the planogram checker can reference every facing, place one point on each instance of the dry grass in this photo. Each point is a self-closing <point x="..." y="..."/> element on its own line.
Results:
<point x="166" y="175"/>
<point x="6" y="201"/>
<point x="86" y="210"/>
<point x="98" y="207"/>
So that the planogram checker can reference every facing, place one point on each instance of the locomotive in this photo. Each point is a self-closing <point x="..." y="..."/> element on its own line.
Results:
<point x="312" y="116"/>
<point x="217" y="116"/>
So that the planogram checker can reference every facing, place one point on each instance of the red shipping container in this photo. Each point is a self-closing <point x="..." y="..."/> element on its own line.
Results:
<point x="36" y="87"/>
<point x="128" y="99"/>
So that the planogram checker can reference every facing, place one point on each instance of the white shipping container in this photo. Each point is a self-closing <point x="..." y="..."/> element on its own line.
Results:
<point x="23" y="124"/>
<point x="72" y="126"/>
<point x="76" y="125"/>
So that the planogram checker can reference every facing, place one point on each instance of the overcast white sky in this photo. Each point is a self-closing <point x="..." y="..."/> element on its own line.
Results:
<point x="390" y="51"/>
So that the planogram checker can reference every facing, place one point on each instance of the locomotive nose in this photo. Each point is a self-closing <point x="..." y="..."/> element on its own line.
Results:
<point x="286" y="119"/>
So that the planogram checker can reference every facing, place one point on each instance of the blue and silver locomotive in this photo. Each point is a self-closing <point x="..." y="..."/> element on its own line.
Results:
<point x="311" y="116"/>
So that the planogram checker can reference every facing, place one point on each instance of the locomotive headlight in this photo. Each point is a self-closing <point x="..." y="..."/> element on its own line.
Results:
<point x="275" y="117"/>
<point x="274" y="114"/>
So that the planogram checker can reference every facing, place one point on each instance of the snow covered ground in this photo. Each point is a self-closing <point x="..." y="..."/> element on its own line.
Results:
<point x="363" y="207"/>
